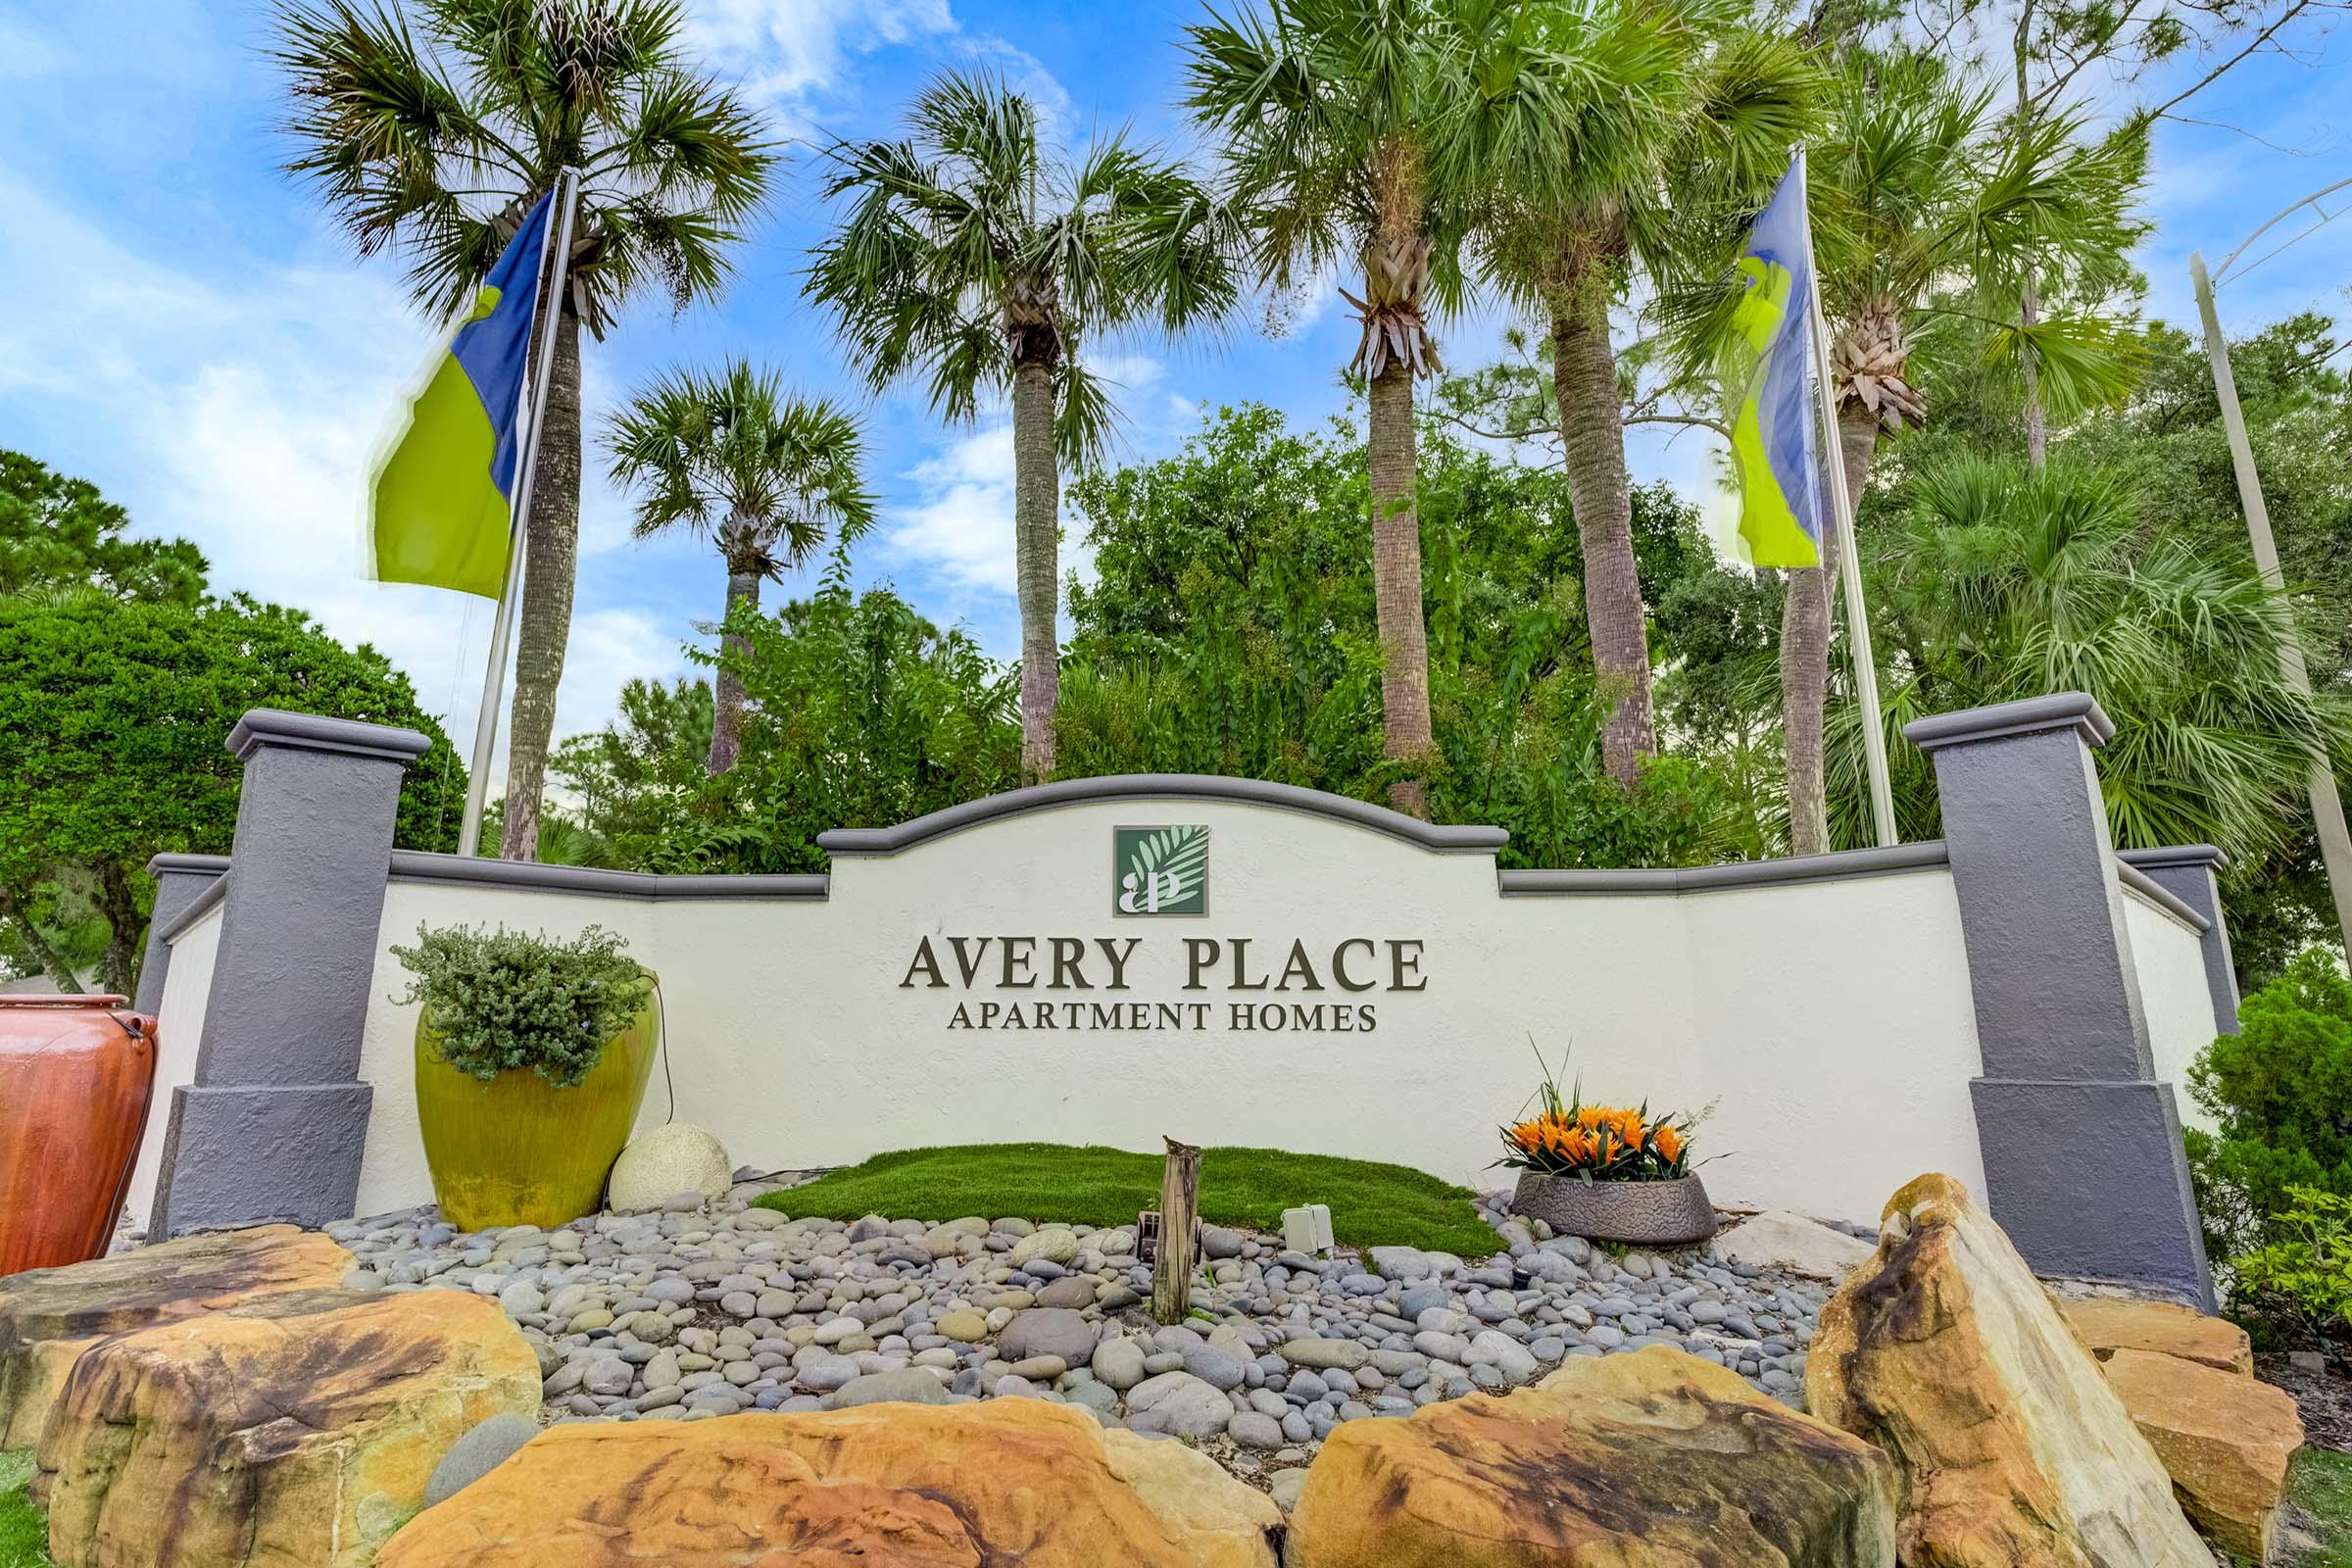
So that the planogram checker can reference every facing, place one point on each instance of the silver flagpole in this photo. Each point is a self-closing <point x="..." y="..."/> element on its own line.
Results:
<point x="556" y="243"/>
<point x="1850" y="566"/>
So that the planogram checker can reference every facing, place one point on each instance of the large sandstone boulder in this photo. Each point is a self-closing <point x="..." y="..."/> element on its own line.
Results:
<point x="1644" y="1460"/>
<point x="50" y="1316"/>
<point x="2109" y="1326"/>
<point x="2225" y="1440"/>
<point x="894" y="1485"/>
<point x="293" y="1431"/>
<point x="1945" y="1352"/>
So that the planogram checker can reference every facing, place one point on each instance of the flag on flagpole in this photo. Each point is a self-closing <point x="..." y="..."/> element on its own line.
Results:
<point x="1764" y="366"/>
<point x="441" y="503"/>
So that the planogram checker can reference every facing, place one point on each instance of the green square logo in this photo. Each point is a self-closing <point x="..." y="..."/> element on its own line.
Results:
<point x="1160" y="871"/>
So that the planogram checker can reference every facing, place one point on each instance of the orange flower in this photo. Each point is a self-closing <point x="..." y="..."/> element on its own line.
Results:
<point x="1668" y="1142"/>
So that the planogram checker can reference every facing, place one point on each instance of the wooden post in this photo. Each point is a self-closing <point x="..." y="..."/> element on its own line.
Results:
<point x="1179" y="1200"/>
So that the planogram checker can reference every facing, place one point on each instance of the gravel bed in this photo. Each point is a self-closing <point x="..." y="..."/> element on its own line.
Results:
<point x="705" y="1309"/>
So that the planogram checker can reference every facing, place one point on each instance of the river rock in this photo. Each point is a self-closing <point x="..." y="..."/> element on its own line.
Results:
<point x="1644" y="1460"/>
<point x="1054" y="1243"/>
<point x="662" y="1162"/>
<point x="2109" y="1326"/>
<point x="1944" y="1350"/>
<point x="908" y="1384"/>
<point x="1345" y="1354"/>
<point x="478" y="1454"/>
<point x="1012" y="1481"/>
<point x="1179" y="1404"/>
<point x="49" y="1316"/>
<point x="1048" y="1331"/>
<point x="2225" y="1440"/>
<point x="300" y="1428"/>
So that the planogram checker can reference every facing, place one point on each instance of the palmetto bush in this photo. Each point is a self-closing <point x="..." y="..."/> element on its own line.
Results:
<point x="1994" y="584"/>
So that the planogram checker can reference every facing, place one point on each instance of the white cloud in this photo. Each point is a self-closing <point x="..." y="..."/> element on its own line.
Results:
<point x="961" y="527"/>
<point x="789" y="52"/>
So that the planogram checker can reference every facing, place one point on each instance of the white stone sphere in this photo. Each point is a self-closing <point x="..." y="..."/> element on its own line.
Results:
<point x="661" y="1162"/>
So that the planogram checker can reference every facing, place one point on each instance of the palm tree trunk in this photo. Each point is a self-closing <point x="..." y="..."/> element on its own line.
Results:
<point x="1397" y="585"/>
<point x="1036" y="529"/>
<point x="552" y="543"/>
<point x="2038" y="418"/>
<point x="1583" y="373"/>
<point x="726" y="719"/>
<point x="1805" y="650"/>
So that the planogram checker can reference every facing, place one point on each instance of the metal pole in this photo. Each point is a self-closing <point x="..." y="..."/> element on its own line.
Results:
<point x="2327" y="804"/>
<point x="558" y="243"/>
<point x="1849" y="565"/>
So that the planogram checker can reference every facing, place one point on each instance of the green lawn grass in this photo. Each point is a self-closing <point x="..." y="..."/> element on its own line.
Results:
<point x="1371" y="1204"/>
<point x="2321" y="1485"/>
<point x="24" y="1533"/>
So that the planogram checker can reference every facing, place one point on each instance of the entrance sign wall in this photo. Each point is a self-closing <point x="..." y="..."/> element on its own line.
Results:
<point x="1108" y="960"/>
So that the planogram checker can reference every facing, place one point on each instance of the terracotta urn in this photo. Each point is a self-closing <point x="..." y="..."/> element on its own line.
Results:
<point x="514" y="1150"/>
<point x="1668" y="1213"/>
<point x="76" y="1073"/>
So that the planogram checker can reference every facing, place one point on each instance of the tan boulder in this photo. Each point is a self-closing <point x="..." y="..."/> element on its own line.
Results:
<point x="2109" y="1326"/>
<point x="883" y="1486"/>
<point x="49" y="1316"/>
<point x="293" y="1431"/>
<point x="2225" y="1440"/>
<point x="1657" y="1459"/>
<point x="1945" y="1352"/>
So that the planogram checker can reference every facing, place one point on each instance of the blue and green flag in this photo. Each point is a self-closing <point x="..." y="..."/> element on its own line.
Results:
<point x="1764" y="366"/>
<point x="441" y="507"/>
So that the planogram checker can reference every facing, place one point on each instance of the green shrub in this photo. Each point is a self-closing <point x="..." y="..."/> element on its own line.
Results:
<point x="500" y="1000"/>
<point x="2282" y="1091"/>
<point x="2300" y="1288"/>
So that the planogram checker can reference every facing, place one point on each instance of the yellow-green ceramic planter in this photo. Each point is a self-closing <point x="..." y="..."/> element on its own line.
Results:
<point x="514" y="1150"/>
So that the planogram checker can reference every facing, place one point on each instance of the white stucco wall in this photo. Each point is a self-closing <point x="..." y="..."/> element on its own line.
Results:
<point x="2171" y="958"/>
<point x="1828" y="1023"/>
<point x="179" y="1020"/>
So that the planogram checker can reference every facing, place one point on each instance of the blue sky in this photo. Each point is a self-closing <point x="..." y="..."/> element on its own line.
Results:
<point x="182" y="326"/>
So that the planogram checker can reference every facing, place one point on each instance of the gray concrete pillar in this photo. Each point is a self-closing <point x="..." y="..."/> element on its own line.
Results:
<point x="2188" y="873"/>
<point x="179" y="881"/>
<point x="2082" y="1144"/>
<point x="275" y="1121"/>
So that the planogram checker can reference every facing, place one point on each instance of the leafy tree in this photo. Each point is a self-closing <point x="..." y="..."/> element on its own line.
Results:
<point x="859" y="714"/>
<point x="433" y="129"/>
<point x="1224" y="634"/>
<point x="59" y="535"/>
<point x="977" y="258"/>
<point x="1324" y="111"/>
<point x="2280" y="1089"/>
<point x="117" y="713"/>
<point x="1602" y="140"/>
<point x="767" y="476"/>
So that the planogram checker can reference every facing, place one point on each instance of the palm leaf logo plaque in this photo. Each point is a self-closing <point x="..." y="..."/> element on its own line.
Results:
<point x="1160" y="871"/>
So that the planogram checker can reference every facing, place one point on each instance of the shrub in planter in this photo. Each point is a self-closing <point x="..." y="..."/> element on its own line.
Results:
<point x="1607" y="1172"/>
<point x="532" y="1058"/>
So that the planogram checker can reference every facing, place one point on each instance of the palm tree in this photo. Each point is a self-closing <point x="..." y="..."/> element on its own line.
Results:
<point x="1599" y="137"/>
<point x="432" y="130"/>
<point x="764" y="476"/>
<point x="1925" y="208"/>
<point x="977" y="258"/>
<point x="1323" y="110"/>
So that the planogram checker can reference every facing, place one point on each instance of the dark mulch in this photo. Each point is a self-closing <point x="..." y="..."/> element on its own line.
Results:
<point x="2325" y="1399"/>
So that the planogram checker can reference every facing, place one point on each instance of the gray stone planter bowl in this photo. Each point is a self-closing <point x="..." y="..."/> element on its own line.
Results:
<point x="1652" y="1214"/>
